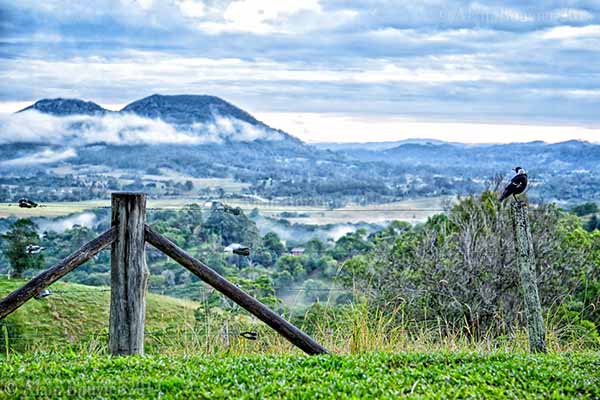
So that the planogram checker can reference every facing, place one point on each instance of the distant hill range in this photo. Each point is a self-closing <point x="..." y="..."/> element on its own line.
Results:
<point x="275" y="164"/>
<point x="375" y="146"/>
<point x="458" y="158"/>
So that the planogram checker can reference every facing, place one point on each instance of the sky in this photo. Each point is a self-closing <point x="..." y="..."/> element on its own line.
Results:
<point x="323" y="70"/>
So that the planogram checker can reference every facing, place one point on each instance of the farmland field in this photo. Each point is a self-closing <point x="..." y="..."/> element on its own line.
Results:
<point x="166" y="174"/>
<point x="368" y="375"/>
<point x="50" y="209"/>
<point x="409" y="210"/>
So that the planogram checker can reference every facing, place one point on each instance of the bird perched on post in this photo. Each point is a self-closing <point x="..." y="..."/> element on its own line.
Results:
<point x="516" y="186"/>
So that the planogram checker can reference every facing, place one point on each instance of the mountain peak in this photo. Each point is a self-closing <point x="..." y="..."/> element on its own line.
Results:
<point x="62" y="107"/>
<point x="186" y="109"/>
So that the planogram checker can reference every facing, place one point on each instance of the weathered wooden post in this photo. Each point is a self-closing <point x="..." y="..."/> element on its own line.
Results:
<point x="129" y="275"/>
<point x="526" y="263"/>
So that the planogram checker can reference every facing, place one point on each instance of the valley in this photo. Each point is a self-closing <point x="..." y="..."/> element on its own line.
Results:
<point x="182" y="146"/>
<point x="323" y="199"/>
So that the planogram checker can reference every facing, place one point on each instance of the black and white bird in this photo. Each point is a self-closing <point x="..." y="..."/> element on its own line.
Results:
<point x="516" y="186"/>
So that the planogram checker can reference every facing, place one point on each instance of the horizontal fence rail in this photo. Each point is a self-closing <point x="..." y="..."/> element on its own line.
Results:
<point x="255" y="307"/>
<point x="17" y="298"/>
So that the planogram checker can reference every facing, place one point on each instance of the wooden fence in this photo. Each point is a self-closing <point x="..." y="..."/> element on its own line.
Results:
<point x="129" y="279"/>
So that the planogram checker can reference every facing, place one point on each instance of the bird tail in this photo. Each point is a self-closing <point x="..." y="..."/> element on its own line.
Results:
<point x="503" y="196"/>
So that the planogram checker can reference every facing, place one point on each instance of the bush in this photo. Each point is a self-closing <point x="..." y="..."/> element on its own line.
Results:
<point x="585" y="209"/>
<point x="461" y="269"/>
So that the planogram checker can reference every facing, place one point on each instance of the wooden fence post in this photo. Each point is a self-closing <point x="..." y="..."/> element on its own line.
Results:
<point x="526" y="263"/>
<point x="129" y="275"/>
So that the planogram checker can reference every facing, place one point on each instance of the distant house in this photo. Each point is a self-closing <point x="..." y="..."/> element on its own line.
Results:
<point x="233" y="246"/>
<point x="297" y="251"/>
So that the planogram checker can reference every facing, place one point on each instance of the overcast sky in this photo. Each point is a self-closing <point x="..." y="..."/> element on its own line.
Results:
<point x="324" y="70"/>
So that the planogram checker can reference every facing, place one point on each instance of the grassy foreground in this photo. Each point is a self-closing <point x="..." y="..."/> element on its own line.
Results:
<point x="78" y="313"/>
<point x="370" y="375"/>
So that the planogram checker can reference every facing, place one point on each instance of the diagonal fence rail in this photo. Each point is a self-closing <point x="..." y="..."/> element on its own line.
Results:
<point x="255" y="307"/>
<point x="20" y="296"/>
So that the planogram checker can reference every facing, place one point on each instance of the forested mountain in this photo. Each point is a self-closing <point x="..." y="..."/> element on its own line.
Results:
<point x="186" y="110"/>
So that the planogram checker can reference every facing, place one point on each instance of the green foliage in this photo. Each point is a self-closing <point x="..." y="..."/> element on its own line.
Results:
<point x="22" y="234"/>
<point x="218" y="308"/>
<point x="315" y="290"/>
<point x="272" y="243"/>
<point x="454" y="274"/>
<point x="593" y="223"/>
<point x="283" y="279"/>
<point x="324" y="265"/>
<point x="291" y="264"/>
<point x="574" y="326"/>
<point x="183" y="226"/>
<point x="315" y="248"/>
<point x="370" y="375"/>
<point x="203" y="240"/>
<point x="351" y="244"/>
<point x="460" y="268"/>
<point x="60" y="245"/>
<point x="389" y="233"/>
<point x="231" y="225"/>
<point x="272" y="248"/>
<point x="96" y="279"/>
<point x="585" y="209"/>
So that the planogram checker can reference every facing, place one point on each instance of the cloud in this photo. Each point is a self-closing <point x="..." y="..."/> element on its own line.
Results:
<point x="264" y="17"/>
<point x="35" y="127"/>
<point x="46" y="156"/>
<point x="573" y="32"/>
<point x="149" y="67"/>
<point x="120" y="129"/>
<point x="62" y="224"/>
<point x="316" y="127"/>
<point x="494" y="13"/>
<point x="234" y="129"/>
<point x="191" y="8"/>
<point x="522" y="62"/>
<point x="304" y="233"/>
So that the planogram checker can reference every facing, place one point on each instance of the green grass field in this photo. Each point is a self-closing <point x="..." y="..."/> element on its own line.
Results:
<point x="56" y="348"/>
<point x="78" y="314"/>
<point x="365" y="376"/>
